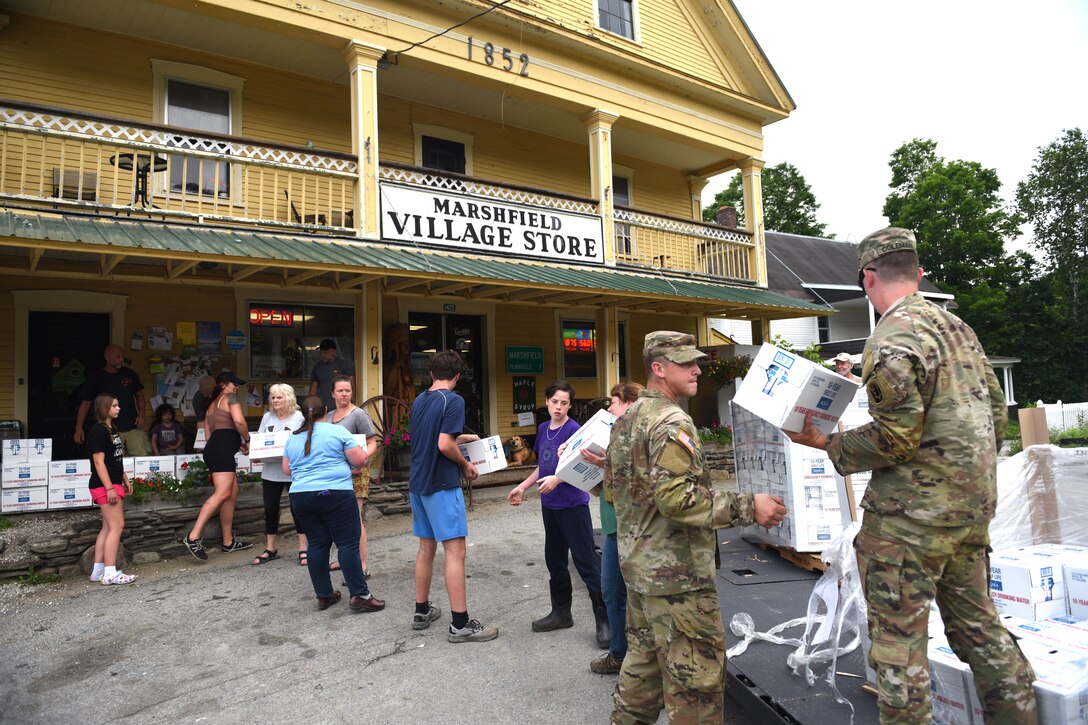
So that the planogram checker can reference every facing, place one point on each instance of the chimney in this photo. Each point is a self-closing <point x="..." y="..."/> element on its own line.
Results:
<point x="727" y="217"/>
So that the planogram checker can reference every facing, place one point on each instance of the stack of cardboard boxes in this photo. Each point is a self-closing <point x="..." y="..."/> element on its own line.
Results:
<point x="1040" y="593"/>
<point x="31" y="481"/>
<point x="779" y="390"/>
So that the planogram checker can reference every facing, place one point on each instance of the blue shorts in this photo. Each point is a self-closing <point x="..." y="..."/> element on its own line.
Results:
<point x="440" y="516"/>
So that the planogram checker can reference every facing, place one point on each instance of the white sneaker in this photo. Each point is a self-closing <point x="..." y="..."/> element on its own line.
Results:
<point x="119" y="578"/>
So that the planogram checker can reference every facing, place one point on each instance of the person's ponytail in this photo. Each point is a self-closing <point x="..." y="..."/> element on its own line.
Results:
<point x="313" y="408"/>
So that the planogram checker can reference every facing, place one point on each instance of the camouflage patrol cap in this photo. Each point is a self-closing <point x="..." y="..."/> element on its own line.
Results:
<point x="677" y="347"/>
<point x="886" y="241"/>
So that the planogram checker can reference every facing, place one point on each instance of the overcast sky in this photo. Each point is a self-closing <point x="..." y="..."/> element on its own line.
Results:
<point x="989" y="80"/>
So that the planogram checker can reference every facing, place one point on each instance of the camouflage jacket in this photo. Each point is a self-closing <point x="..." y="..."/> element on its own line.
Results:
<point x="666" y="512"/>
<point x="938" y="419"/>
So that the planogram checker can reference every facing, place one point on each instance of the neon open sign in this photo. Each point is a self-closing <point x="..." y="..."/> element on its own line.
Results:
<point x="270" y="317"/>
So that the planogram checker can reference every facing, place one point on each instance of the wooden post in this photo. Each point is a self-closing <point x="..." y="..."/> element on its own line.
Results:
<point x="1033" y="427"/>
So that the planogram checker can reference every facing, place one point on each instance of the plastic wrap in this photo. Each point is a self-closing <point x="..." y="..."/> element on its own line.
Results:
<point x="1042" y="498"/>
<point x="836" y="612"/>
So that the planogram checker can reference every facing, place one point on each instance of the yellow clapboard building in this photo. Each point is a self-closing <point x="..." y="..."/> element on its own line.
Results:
<point x="222" y="184"/>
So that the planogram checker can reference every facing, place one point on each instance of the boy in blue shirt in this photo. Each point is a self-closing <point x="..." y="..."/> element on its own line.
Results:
<point x="434" y="488"/>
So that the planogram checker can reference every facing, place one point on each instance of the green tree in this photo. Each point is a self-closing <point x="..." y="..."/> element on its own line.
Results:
<point x="909" y="162"/>
<point x="788" y="202"/>
<point x="1054" y="198"/>
<point x="955" y="211"/>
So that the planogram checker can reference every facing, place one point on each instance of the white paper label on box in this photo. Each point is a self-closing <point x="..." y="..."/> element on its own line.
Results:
<point x="268" y="445"/>
<point x="78" y="467"/>
<point x="486" y="454"/>
<point x="67" y="497"/>
<point x="782" y="388"/>
<point x="21" y="475"/>
<point x="593" y="437"/>
<point x="150" y="465"/>
<point x="15" y="500"/>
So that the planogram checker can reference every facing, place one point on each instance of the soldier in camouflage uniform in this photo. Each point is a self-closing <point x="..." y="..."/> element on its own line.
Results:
<point x="938" y="421"/>
<point x="666" y="514"/>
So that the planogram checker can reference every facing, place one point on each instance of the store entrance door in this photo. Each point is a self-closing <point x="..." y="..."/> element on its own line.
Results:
<point x="430" y="332"/>
<point x="63" y="348"/>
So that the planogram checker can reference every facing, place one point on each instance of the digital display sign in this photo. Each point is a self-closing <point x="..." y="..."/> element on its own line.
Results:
<point x="579" y="340"/>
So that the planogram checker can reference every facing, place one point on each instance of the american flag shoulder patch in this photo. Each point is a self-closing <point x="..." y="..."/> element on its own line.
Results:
<point x="685" y="440"/>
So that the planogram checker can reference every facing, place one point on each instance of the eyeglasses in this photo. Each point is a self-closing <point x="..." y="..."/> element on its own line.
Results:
<point x="861" y="275"/>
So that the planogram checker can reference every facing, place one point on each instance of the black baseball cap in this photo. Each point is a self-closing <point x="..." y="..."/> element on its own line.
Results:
<point x="228" y="377"/>
<point x="327" y="344"/>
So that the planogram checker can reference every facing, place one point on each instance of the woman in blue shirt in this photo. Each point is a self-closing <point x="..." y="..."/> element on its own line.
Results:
<point x="319" y="457"/>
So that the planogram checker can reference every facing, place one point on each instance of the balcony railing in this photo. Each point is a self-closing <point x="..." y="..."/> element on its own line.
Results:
<point x="61" y="159"/>
<point x="645" y="239"/>
<point x="67" y="159"/>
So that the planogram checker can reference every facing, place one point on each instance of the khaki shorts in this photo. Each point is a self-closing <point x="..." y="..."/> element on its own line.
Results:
<point x="136" y="442"/>
<point x="360" y="481"/>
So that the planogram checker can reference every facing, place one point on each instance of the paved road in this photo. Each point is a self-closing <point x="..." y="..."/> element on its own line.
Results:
<point x="224" y="641"/>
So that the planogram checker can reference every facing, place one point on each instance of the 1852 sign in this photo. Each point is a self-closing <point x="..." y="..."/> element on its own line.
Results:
<point x="478" y="225"/>
<point x="500" y="57"/>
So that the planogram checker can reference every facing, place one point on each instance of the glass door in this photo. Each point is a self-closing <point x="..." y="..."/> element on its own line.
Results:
<point x="430" y="332"/>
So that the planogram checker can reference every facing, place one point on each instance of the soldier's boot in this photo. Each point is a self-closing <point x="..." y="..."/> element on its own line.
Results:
<point x="600" y="613"/>
<point x="559" y="617"/>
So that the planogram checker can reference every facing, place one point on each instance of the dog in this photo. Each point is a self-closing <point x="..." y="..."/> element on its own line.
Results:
<point x="520" y="453"/>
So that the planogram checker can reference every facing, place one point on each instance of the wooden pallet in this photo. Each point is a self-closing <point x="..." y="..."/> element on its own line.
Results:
<point x="808" y="562"/>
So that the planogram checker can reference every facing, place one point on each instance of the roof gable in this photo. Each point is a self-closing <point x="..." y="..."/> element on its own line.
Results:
<point x="706" y="40"/>
<point x="796" y="263"/>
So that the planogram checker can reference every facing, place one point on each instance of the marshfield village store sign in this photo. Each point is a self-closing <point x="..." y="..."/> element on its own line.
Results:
<point x="486" y="226"/>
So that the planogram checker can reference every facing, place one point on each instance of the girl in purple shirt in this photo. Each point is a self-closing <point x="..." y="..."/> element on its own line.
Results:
<point x="567" y="523"/>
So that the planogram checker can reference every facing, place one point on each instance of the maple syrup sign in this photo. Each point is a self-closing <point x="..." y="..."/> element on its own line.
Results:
<point x="271" y="317"/>
<point x="480" y="225"/>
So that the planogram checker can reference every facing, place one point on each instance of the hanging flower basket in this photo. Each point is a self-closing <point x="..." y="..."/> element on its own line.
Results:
<point x="723" y="371"/>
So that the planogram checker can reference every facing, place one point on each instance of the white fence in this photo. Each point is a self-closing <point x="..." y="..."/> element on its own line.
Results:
<point x="1062" y="416"/>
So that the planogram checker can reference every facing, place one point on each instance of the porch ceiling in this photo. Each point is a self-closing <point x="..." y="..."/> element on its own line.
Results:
<point x="96" y="248"/>
<point x="318" y="55"/>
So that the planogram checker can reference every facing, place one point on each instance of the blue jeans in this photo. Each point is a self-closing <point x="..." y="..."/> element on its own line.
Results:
<point x="331" y="517"/>
<point x="615" y="595"/>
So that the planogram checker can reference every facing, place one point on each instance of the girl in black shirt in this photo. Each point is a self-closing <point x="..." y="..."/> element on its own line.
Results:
<point x="109" y="483"/>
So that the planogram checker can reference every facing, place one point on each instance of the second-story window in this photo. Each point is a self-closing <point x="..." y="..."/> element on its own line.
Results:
<point x="621" y="196"/>
<point x="617" y="16"/>
<point x="201" y="108"/>
<point x="443" y="154"/>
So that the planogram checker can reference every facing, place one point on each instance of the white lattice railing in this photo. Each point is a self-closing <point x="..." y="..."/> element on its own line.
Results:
<point x="70" y="159"/>
<point x="655" y="240"/>
<point x="489" y="189"/>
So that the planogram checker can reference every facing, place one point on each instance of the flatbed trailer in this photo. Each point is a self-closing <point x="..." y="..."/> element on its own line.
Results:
<point x="755" y="579"/>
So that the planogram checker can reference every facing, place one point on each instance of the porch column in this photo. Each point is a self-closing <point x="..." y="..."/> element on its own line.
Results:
<point x="610" y="317"/>
<point x="599" y="122"/>
<point x="750" y="170"/>
<point x="761" y="331"/>
<point x="362" y="59"/>
<point x="371" y="380"/>
<point x="696" y="185"/>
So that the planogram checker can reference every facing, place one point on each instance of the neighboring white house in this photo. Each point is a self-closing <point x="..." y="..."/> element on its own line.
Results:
<point x="824" y="272"/>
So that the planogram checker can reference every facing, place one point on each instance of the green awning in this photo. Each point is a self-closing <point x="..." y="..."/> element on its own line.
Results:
<point x="141" y="242"/>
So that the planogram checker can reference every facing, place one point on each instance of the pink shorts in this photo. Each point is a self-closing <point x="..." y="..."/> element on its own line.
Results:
<point x="100" y="495"/>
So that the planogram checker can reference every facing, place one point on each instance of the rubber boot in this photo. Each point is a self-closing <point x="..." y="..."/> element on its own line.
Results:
<point x="600" y="613"/>
<point x="559" y="617"/>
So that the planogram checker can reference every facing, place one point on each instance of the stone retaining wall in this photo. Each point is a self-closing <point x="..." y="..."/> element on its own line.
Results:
<point x="62" y="542"/>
